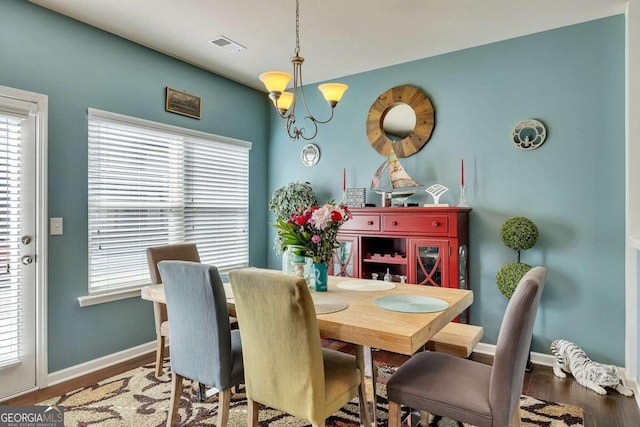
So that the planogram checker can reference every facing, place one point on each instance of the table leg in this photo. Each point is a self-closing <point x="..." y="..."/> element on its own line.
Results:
<point x="367" y="394"/>
<point x="202" y="393"/>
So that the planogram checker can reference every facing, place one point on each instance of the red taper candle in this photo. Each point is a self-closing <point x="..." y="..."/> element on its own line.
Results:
<point x="344" y="179"/>
<point x="462" y="172"/>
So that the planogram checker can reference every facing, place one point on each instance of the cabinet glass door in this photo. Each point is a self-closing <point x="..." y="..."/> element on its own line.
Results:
<point x="463" y="269"/>
<point x="429" y="262"/>
<point x="344" y="258"/>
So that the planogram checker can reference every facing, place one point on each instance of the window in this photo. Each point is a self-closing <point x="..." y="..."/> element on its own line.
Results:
<point x="152" y="184"/>
<point x="11" y="282"/>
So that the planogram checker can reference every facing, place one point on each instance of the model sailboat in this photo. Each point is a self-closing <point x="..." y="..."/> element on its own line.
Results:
<point x="391" y="179"/>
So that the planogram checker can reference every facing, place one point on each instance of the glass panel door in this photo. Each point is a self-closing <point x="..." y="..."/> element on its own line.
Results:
<point x="17" y="247"/>
<point x="345" y="257"/>
<point x="429" y="262"/>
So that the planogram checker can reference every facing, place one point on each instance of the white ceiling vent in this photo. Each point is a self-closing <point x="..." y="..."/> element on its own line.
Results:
<point x="227" y="44"/>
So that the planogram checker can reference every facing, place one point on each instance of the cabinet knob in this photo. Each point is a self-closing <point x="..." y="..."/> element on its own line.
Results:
<point x="369" y="222"/>
<point x="394" y="222"/>
<point x="435" y="223"/>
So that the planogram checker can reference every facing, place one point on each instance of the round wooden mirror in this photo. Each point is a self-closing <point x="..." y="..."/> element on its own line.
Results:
<point x="389" y="123"/>
<point x="399" y="122"/>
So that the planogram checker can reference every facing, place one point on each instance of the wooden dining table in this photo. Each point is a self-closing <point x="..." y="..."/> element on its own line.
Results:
<point x="369" y="326"/>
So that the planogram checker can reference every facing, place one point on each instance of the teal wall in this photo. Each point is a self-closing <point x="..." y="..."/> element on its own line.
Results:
<point x="572" y="187"/>
<point x="79" y="67"/>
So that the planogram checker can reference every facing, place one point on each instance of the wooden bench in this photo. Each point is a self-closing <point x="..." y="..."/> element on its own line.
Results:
<point x="458" y="339"/>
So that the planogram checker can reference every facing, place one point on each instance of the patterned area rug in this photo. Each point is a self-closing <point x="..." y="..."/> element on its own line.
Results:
<point x="137" y="398"/>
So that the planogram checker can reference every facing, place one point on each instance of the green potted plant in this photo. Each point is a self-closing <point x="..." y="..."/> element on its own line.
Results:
<point x="291" y="197"/>
<point x="518" y="233"/>
<point x="286" y="200"/>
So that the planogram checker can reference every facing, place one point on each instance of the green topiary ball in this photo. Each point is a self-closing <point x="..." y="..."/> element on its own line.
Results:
<point x="519" y="233"/>
<point x="509" y="276"/>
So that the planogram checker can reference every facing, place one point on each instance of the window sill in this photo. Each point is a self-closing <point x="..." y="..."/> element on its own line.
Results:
<point x="89" y="300"/>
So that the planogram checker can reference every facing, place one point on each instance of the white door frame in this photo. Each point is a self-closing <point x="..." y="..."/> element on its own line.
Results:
<point x="42" y="105"/>
<point x="632" y="199"/>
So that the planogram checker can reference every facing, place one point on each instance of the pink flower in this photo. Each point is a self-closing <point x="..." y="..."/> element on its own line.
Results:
<point x="322" y="216"/>
<point x="347" y="212"/>
<point x="316" y="239"/>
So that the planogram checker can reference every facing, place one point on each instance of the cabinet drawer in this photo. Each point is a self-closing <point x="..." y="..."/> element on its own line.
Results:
<point x="431" y="224"/>
<point x="362" y="223"/>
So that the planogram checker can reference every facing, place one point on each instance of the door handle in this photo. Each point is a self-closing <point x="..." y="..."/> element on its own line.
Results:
<point x="27" y="259"/>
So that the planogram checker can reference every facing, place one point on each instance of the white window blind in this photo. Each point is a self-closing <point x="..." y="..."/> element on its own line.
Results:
<point x="11" y="295"/>
<point x="152" y="184"/>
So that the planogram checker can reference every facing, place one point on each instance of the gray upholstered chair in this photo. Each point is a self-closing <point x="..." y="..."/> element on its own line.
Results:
<point x="468" y="391"/>
<point x="203" y="346"/>
<point x="180" y="252"/>
<point x="285" y="366"/>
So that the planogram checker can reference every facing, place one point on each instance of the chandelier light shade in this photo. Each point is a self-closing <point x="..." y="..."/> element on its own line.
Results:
<point x="333" y="92"/>
<point x="285" y="102"/>
<point x="275" y="81"/>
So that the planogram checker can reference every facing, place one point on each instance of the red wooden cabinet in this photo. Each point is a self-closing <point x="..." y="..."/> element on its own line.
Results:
<point x="426" y="246"/>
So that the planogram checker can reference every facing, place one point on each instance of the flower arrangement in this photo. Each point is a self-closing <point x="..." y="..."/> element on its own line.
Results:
<point x="315" y="229"/>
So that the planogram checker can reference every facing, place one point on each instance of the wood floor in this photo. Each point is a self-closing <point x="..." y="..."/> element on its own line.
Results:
<point x="612" y="410"/>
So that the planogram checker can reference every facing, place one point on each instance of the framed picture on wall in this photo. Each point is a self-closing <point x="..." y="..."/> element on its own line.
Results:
<point x="182" y="103"/>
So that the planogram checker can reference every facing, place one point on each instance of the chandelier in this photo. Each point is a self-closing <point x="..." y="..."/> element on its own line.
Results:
<point x="285" y="102"/>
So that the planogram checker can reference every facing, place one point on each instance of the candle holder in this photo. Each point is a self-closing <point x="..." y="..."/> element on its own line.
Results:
<point x="461" y="201"/>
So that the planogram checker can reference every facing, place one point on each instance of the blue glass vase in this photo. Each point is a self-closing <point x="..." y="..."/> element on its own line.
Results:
<point x="321" y="276"/>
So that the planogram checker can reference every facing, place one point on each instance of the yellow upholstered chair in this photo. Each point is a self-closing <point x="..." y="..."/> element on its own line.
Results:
<point x="285" y="366"/>
<point x="176" y="252"/>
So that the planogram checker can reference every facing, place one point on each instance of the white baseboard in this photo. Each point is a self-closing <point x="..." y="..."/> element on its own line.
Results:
<point x="99" y="363"/>
<point x="537" y="358"/>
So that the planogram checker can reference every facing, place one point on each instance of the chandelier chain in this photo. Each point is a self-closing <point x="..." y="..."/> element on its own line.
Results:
<point x="297" y="27"/>
<point x="287" y="107"/>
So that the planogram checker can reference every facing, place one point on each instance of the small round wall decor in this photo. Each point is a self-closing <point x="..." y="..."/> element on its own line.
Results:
<point x="310" y="154"/>
<point x="529" y="134"/>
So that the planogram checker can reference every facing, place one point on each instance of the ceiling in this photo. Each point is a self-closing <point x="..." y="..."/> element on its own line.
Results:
<point x="337" y="37"/>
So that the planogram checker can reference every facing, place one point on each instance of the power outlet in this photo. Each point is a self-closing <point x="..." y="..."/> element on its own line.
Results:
<point x="55" y="226"/>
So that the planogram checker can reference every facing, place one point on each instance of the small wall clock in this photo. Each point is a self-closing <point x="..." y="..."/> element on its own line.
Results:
<point x="310" y="155"/>
<point x="529" y="134"/>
